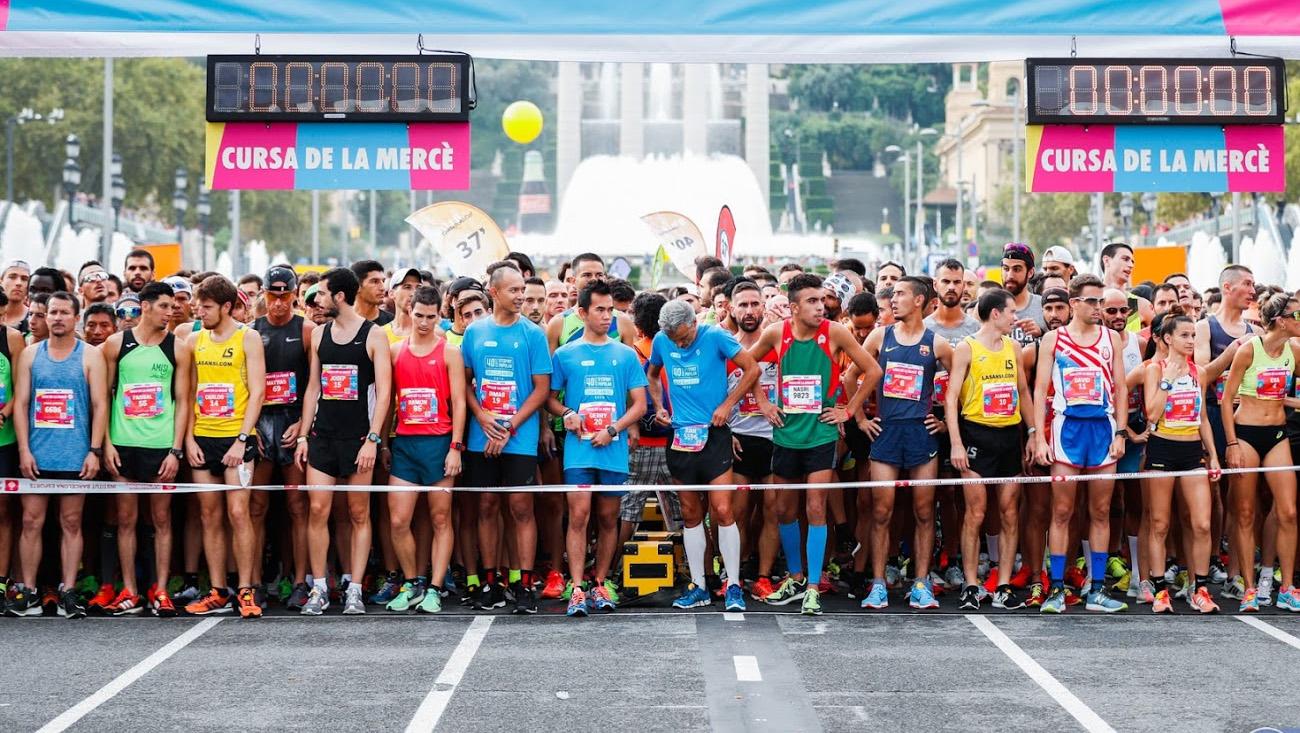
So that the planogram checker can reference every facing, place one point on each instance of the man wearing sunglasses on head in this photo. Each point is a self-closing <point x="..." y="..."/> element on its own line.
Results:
<point x="1017" y="268"/>
<point x="92" y="283"/>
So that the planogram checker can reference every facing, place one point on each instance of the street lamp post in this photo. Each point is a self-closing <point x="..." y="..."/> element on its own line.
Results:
<point x="907" y="192"/>
<point x="920" y="189"/>
<point x="71" y="172"/>
<point x="1126" y="215"/>
<point x="1149" y="206"/>
<point x="792" y="185"/>
<point x="204" y="210"/>
<point x="25" y="115"/>
<point x="118" y="189"/>
<point x="181" y="202"/>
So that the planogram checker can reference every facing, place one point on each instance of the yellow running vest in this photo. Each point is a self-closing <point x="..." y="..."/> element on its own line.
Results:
<point x="221" y="397"/>
<point x="990" y="394"/>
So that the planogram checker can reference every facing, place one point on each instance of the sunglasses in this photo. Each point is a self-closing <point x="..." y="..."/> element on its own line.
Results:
<point x="279" y="296"/>
<point x="1293" y="315"/>
<point x="1093" y="302"/>
<point x="94" y="277"/>
<point x="128" y="311"/>
<point x="1122" y="310"/>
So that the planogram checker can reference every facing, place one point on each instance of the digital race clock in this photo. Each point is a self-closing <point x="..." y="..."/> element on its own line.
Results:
<point x="1237" y="91"/>
<point x="425" y="88"/>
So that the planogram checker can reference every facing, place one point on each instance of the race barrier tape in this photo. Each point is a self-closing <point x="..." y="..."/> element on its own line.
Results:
<point x="27" y="486"/>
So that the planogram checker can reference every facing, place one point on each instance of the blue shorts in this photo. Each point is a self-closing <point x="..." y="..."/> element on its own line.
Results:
<point x="1083" y="442"/>
<point x="905" y="444"/>
<point x="420" y="459"/>
<point x="597" y="477"/>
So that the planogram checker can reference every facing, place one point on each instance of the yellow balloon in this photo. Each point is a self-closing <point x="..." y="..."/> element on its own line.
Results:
<point x="522" y="122"/>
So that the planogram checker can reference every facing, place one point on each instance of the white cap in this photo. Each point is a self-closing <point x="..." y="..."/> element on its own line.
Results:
<point x="1060" y="254"/>
<point x="400" y="276"/>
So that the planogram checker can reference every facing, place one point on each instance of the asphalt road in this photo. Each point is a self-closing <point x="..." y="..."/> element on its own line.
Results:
<point x="654" y="669"/>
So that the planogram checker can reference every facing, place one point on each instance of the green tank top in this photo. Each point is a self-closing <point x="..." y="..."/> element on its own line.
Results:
<point x="7" y="435"/>
<point x="1268" y="377"/>
<point x="144" y="411"/>
<point x="807" y="382"/>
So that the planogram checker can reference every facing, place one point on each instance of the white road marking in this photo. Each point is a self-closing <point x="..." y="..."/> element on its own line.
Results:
<point x="1271" y="630"/>
<point x="119" y="683"/>
<point x="1063" y="697"/>
<point x="733" y="616"/>
<point x="747" y="668"/>
<point x="435" y="703"/>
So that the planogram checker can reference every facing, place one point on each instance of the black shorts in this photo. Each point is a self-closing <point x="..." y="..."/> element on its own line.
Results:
<point x="993" y="452"/>
<point x="142" y="464"/>
<point x="704" y="465"/>
<point x="9" y="461"/>
<point x="755" y="460"/>
<point x="797" y="463"/>
<point x="335" y="457"/>
<point x="60" y="475"/>
<point x="270" y="428"/>
<point x="507" y="469"/>
<point x="858" y="442"/>
<point x="1164" y="454"/>
<point x="215" y="448"/>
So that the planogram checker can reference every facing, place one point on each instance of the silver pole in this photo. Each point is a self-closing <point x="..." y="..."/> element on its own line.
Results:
<point x="315" y="227"/>
<point x="235" y="234"/>
<point x="374" y="242"/>
<point x="961" y="214"/>
<point x="907" y="200"/>
<point x="920" y="213"/>
<point x="344" y="228"/>
<point x="1236" y="228"/>
<point x="106" y="184"/>
<point x="1015" y="155"/>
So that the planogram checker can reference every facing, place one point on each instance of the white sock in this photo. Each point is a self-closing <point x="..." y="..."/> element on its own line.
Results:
<point x="319" y="584"/>
<point x="347" y="577"/>
<point x="310" y="580"/>
<point x="1087" y="559"/>
<point x="729" y="545"/>
<point x="1265" y="576"/>
<point x="1133" y="556"/>
<point x="693" y="538"/>
<point x="994" y="555"/>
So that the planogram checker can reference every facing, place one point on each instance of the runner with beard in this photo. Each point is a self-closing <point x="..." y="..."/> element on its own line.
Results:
<point x="1017" y="268"/>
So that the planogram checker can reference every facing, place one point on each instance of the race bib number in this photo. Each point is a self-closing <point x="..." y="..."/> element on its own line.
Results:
<point x="594" y="418"/>
<point x="1082" y="385"/>
<point x="417" y="405"/>
<point x="940" y="387"/>
<point x="1001" y="399"/>
<point x="142" y="401"/>
<point x="802" y="393"/>
<point x="216" y="400"/>
<point x="54" y="409"/>
<point x="281" y="388"/>
<point x="499" y="398"/>
<point x="1183" y="409"/>
<point x="1219" y="385"/>
<point x="749" y="403"/>
<point x="691" y="438"/>
<point x="338" y="381"/>
<point x="1272" y="383"/>
<point x="902" y="381"/>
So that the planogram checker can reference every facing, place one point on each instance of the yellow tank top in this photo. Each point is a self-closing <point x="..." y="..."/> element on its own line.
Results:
<point x="1268" y="377"/>
<point x="391" y="333"/>
<point x="221" y="397"/>
<point x="990" y="394"/>
<point x="1183" y="404"/>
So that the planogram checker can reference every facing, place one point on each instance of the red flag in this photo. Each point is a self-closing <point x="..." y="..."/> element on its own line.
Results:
<point x="726" y="244"/>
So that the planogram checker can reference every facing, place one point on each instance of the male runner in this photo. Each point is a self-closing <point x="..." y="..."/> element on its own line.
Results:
<point x="1082" y="364"/>
<point x="60" y="412"/>
<point x="346" y="402"/>
<point x="15" y="280"/>
<point x="597" y="388"/>
<point x="229" y="381"/>
<point x="888" y="274"/>
<point x="138" y="269"/>
<point x="567" y="327"/>
<point x="11" y="347"/>
<point x="806" y="430"/>
<point x="98" y="323"/>
<point x="1058" y="261"/>
<point x="148" y="368"/>
<point x="370" y="295"/>
<point x="1117" y="272"/>
<point x="535" y="300"/>
<point x="402" y="287"/>
<point x="1017" y="268"/>
<point x="1115" y="312"/>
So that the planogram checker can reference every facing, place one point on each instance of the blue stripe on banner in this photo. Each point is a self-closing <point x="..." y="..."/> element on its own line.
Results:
<point x="1172" y="155"/>
<point x="352" y="156"/>
<point x="666" y="17"/>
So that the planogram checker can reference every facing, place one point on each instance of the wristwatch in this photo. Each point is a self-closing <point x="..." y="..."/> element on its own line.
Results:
<point x="374" y="438"/>
<point x="176" y="453"/>
<point x="1165" y="386"/>
<point x="99" y="452"/>
<point x="1121" y="433"/>
<point x="613" y="433"/>
<point x="242" y="437"/>
<point x="456" y="445"/>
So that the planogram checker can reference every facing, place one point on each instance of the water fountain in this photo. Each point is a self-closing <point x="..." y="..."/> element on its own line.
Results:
<point x="663" y="131"/>
<point x="1205" y="260"/>
<point x="21" y="238"/>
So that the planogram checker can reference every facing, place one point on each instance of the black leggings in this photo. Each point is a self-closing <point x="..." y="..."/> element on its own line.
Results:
<point x="1263" y="438"/>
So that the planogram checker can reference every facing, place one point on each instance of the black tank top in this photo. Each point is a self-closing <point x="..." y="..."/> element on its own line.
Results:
<point x="284" y="355"/>
<point x="347" y="383"/>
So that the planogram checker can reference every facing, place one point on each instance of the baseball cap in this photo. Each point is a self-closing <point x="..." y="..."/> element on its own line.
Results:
<point x="400" y="275"/>
<point x="839" y="286"/>
<point x="281" y="279"/>
<point x="1056" y="295"/>
<point x="1018" y="251"/>
<point x="311" y="293"/>
<point x="179" y="284"/>
<point x="1057" y="253"/>
<point x="461" y="284"/>
<point x="18" y="265"/>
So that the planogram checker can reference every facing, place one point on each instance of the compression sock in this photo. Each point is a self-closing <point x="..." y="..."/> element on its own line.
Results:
<point x="490" y="576"/>
<point x="514" y="576"/>
<point x="1098" y="573"/>
<point x="1265" y="576"/>
<point x="472" y="579"/>
<point x="694" y="539"/>
<point x="790" y="546"/>
<point x="524" y="578"/>
<point x="816" y="552"/>
<point x="319" y="584"/>
<point x="995" y="556"/>
<point x="729" y="546"/>
<point x="1087" y="559"/>
<point x="1057" y="570"/>
<point x="1133" y="557"/>
<point x="1201" y="582"/>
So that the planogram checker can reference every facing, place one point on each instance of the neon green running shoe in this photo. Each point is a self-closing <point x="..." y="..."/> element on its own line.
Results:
<point x="812" y="604"/>
<point x="407" y="596"/>
<point x="432" y="602"/>
<point x="612" y="589"/>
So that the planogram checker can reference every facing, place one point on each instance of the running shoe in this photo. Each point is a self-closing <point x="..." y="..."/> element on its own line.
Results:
<point x="87" y="586"/>
<point x="812" y="605"/>
<point x="983" y="566"/>
<point x="1249" y="602"/>
<point x="1183" y="582"/>
<point x="1117" y="569"/>
<point x="893" y="575"/>
<point x="1006" y="599"/>
<point x="432" y="602"/>
<point x="283" y="589"/>
<point x="1099" y="600"/>
<point x="260" y="597"/>
<point x="1146" y="593"/>
<point x="1264" y="590"/>
<point x="1021" y="577"/>
<point x="469" y="595"/>
<point x="1072" y="598"/>
<point x="353" y="604"/>
<point x="24" y="602"/>
<point x="490" y="596"/>
<point x="877" y="598"/>
<point x="921" y="596"/>
<point x="693" y="597"/>
<point x="1203" y="602"/>
<point x="126" y="604"/>
<point x="761" y="589"/>
<point x="102" y="600"/>
<point x="554" y="585"/>
<point x="526" y="600"/>
<point x="1162" y="602"/>
<point x="214" y="602"/>
<point x="1074" y="578"/>
<point x="387" y="591"/>
<point x="1288" y="600"/>
<point x="70" y="604"/>
<point x="735" y="600"/>
<point x="970" y="599"/>
<point x="1217" y="572"/>
<point x="1133" y="589"/>
<point x="1055" y="602"/>
<point x="824" y="585"/>
<point x="1234" y="589"/>
<point x="577" y="603"/>
<point x="611" y="590"/>
<point x="187" y="594"/>
<point x="600" y="600"/>
<point x="1037" y="595"/>
<point x="248" y="605"/>
<point x="410" y="594"/>
<point x="162" y="605"/>
<point x="991" y="581"/>
<point x="297" y="597"/>
<point x="317" y="601"/>
<point x="953" y="577"/>
<point x="789" y="590"/>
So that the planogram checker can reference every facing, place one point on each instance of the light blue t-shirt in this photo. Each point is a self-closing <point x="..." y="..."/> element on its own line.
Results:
<point x="596" y="380"/>
<point x="503" y="361"/>
<point x="697" y="375"/>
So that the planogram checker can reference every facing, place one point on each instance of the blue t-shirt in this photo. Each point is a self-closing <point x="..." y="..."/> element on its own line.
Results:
<point x="503" y="360"/>
<point x="596" y="380"/>
<point x="697" y="375"/>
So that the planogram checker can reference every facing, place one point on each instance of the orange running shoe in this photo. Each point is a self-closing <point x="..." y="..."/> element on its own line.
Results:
<point x="991" y="584"/>
<point x="126" y="604"/>
<point x="162" y="604"/>
<point x="1202" y="601"/>
<point x="101" y="600"/>
<point x="213" y="602"/>
<point x="761" y="589"/>
<point x="554" y="585"/>
<point x="1021" y="578"/>
<point x="248" y="606"/>
<point x="1074" y="578"/>
<point x="1162" y="604"/>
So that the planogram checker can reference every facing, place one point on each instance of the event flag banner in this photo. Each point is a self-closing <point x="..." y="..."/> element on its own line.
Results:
<point x="466" y="238"/>
<point x="1194" y="158"/>
<point x="326" y="156"/>
<point x="679" y="238"/>
<point x="725" y="248"/>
